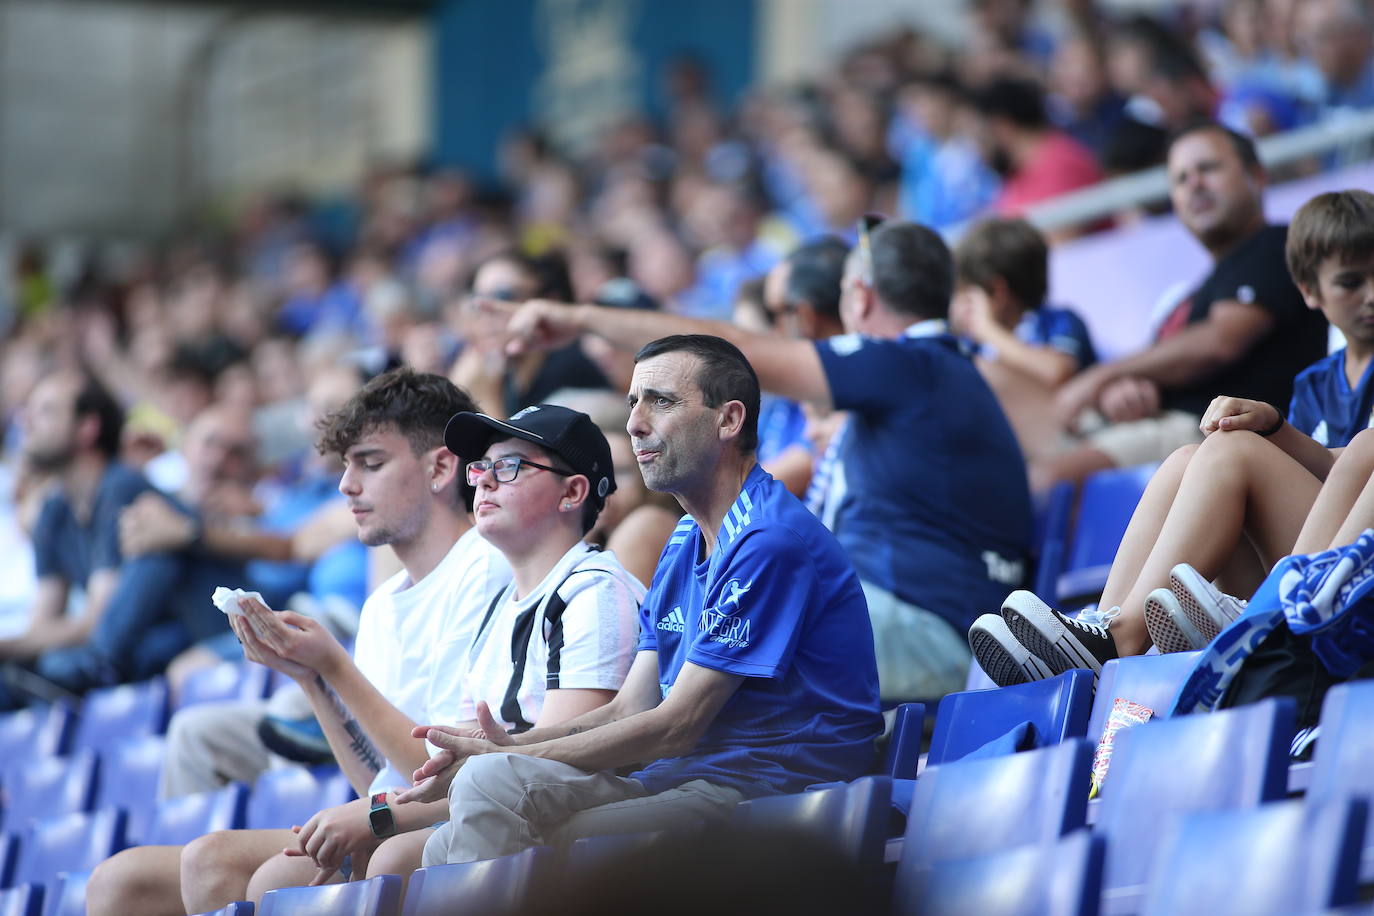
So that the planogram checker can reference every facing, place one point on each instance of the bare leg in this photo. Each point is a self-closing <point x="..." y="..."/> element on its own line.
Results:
<point x="1336" y="517"/>
<point x="1236" y="485"/>
<point x="216" y="868"/>
<point x="283" y="871"/>
<point x="1074" y="465"/>
<point x="145" y="879"/>
<point x="1146" y="523"/>
<point x="400" y="855"/>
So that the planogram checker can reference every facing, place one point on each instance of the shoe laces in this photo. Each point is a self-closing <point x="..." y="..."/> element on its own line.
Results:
<point x="1094" y="620"/>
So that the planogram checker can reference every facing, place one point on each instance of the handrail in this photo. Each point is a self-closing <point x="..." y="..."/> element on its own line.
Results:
<point x="1354" y="130"/>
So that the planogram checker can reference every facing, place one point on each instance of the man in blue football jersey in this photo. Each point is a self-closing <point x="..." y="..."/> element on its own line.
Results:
<point x="928" y="492"/>
<point x="755" y="672"/>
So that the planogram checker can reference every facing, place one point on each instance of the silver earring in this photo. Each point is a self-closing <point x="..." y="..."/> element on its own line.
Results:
<point x="434" y="487"/>
<point x="567" y="505"/>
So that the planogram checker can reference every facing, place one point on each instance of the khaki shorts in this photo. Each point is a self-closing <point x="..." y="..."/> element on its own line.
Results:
<point x="1146" y="441"/>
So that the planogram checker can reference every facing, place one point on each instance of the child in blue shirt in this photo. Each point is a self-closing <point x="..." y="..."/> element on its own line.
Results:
<point x="1257" y="488"/>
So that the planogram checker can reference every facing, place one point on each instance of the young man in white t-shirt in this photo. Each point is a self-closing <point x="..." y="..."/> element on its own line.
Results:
<point x="405" y="489"/>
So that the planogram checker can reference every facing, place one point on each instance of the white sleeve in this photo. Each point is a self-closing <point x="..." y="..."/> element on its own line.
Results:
<point x="478" y="585"/>
<point x="594" y="642"/>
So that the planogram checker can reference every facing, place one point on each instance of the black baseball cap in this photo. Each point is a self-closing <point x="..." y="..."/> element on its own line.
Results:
<point x="569" y="434"/>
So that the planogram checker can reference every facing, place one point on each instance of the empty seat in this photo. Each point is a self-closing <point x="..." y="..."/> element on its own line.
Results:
<point x="237" y="908"/>
<point x="39" y="731"/>
<point x="24" y="900"/>
<point x="903" y="754"/>
<point x="227" y="681"/>
<point x="1340" y="764"/>
<point x="1280" y="858"/>
<point x="969" y="808"/>
<point x="1057" y="707"/>
<point x="48" y="787"/>
<point x="488" y="888"/>
<point x="592" y="851"/>
<point x="1235" y="758"/>
<point x="66" y="896"/>
<point x="851" y="817"/>
<point x="1050" y="879"/>
<point x="1053" y="514"/>
<point x="379" y="896"/>
<point x="180" y="820"/>
<point x="1105" y="505"/>
<point x="73" y="842"/>
<point x="129" y="772"/>
<point x="116" y="713"/>
<point x="289" y="796"/>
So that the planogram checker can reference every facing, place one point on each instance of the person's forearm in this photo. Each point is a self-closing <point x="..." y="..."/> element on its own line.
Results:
<point x="45" y="634"/>
<point x="417" y="815"/>
<point x="1306" y="451"/>
<point x="651" y="735"/>
<point x="630" y="329"/>
<point x="1189" y="356"/>
<point x="238" y="544"/>
<point x="1045" y="365"/>
<point x="388" y="729"/>
<point x="593" y="718"/>
<point x="355" y="753"/>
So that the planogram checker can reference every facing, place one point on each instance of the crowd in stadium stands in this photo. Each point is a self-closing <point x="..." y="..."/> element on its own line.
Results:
<point x="270" y="405"/>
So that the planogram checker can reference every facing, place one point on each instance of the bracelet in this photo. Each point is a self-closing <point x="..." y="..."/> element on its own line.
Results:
<point x="1275" y="428"/>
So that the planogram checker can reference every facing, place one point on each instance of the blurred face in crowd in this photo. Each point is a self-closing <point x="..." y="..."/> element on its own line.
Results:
<point x="387" y="488"/>
<point x="1215" y="196"/>
<point x="220" y="447"/>
<point x="50" y="427"/>
<point x="1336" y="37"/>
<point x="1076" y="75"/>
<point x="505" y="280"/>
<point x="671" y="429"/>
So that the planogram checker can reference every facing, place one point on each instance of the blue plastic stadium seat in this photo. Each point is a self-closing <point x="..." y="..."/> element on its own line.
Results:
<point x="1280" y="858"/>
<point x="24" y="900"/>
<point x="1235" y="758"/>
<point x="477" y="888"/>
<point x="73" y="842"/>
<point x="969" y="808"/>
<point x="39" y="731"/>
<point x="1053" y="513"/>
<point x="290" y="796"/>
<point x="116" y="713"/>
<point x="903" y="754"/>
<point x="66" y="896"/>
<point x="1345" y="747"/>
<point x="1107" y="501"/>
<point x="48" y="787"/>
<point x="1057" y="707"/>
<point x="227" y="681"/>
<point x="1151" y="680"/>
<point x="379" y="896"/>
<point x="1050" y="879"/>
<point x="852" y="817"/>
<point x="129" y="772"/>
<point x="592" y="851"/>
<point x="180" y="820"/>
<point x="237" y="908"/>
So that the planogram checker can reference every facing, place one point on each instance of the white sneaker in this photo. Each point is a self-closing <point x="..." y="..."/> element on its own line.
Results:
<point x="1170" y="629"/>
<point x="1001" y="656"/>
<point x="1210" y="609"/>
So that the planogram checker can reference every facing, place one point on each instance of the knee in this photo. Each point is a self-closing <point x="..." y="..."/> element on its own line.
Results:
<point x="1359" y="454"/>
<point x="484" y="776"/>
<point x="1230" y="448"/>
<point x="206" y="869"/>
<point x="1180" y="457"/>
<point x="278" y="871"/>
<point x="116" y="881"/>
<point x="399" y="855"/>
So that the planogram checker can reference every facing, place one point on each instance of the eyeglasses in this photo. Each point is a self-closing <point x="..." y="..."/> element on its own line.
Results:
<point x="506" y="469"/>
<point x="867" y="223"/>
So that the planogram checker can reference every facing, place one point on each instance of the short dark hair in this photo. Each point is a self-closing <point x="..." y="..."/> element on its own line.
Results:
<point x="913" y="273"/>
<point x="548" y="273"/>
<point x="725" y="375"/>
<point x="1019" y="101"/>
<point x="1243" y="145"/>
<point x="1012" y="249"/>
<point x="94" y="399"/>
<point x="418" y="405"/>
<point x="816" y="274"/>
<point x="1337" y="223"/>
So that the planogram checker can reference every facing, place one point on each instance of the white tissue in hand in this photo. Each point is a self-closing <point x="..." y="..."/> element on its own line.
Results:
<point x="227" y="599"/>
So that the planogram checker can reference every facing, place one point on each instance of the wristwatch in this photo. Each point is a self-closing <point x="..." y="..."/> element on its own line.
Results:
<point x="380" y="818"/>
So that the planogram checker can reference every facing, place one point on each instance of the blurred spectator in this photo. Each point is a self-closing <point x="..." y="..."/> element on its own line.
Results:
<point x="1338" y="36"/>
<point x="944" y="181"/>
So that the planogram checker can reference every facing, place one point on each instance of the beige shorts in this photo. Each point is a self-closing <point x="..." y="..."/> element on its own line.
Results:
<point x="1146" y="441"/>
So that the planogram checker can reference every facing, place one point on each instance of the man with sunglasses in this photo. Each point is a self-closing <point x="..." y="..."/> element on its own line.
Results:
<point x="928" y="494"/>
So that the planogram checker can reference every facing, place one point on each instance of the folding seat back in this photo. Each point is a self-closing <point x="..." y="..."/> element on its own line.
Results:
<point x="1056" y="707"/>
<point x="1235" y="758"/>
<point x="851" y="817"/>
<point x="39" y="731"/>
<point x="290" y="796"/>
<point x="71" y="843"/>
<point x="903" y="754"/>
<point x="490" y="888"/>
<point x="1345" y="746"/>
<point x="969" y="808"/>
<point x="67" y="895"/>
<point x="116" y="713"/>
<point x="180" y="820"/>
<point x="1280" y="858"/>
<point x="1048" y="879"/>
<point x="129" y="772"/>
<point x="1106" y="502"/>
<point x="48" y="787"/>
<point x="24" y="900"/>
<point x="1150" y="680"/>
<point x="379" y="896"/>
<point x="227" y="681"/>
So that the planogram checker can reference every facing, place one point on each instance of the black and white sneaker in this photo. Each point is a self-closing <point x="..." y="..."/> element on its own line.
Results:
<point x="1062" y="642"/>
<point x="1001" y="656"/>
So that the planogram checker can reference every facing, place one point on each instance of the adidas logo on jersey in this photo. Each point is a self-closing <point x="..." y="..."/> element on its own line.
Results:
<point x="674" y="622"/>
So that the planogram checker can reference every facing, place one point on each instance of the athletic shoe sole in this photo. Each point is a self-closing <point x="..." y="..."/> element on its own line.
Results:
<point x="1001" y="657"/>
<point x="1035" y="626"/>
<point x="1170" y="629"/>
<point x="1194" y="593"/>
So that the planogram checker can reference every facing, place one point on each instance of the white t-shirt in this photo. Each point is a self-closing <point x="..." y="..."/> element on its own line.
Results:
<point x="577" y="629"/>
<point x="414" y="639"/>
